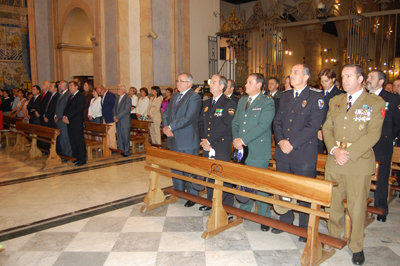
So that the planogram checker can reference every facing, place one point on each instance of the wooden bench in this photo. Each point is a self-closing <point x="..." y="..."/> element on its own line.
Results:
<point x="9" y="134"/>
<point x="96" y="139"/>
<point x="395" y="168"/>
<point x="139" y="135"/>
<point x="41" y="133"/>
<point x="317" y="192"/>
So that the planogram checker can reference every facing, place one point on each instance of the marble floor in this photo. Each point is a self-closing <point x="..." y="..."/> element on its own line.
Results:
<point x="90" y="216"/>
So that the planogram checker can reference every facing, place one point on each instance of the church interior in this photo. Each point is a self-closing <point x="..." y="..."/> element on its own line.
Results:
<point x="91" y="215"/>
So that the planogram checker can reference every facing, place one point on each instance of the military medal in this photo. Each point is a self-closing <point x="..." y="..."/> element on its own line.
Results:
<point x="320" y="103"/>
<point x="383" y="112"/>
<point x="206" y="109"/>
<point x="303" y="103"/>
<point x="218" y="112"/>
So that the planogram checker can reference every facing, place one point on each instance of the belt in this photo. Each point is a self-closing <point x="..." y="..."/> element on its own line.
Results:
<point x="343" y="145"/>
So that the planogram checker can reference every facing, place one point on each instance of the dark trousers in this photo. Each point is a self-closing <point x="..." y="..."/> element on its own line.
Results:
<point x="181" y="184"/>
<point x="382" y="186"/>
<point x="227" y="198"/>
<point x="63" y="146"/>
<point x="321" y="147"/>
<point x="308" y="170"/>
<point x="98" y="120"/>
<point x="77" y="141"/>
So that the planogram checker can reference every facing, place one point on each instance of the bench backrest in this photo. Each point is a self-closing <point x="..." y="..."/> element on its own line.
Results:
<point x="142" y="125"/>
<point x="11" y="121"/>
<point x="283" y="184"/>
<point x="396" y="155"/>
<point x="39" y="131"/>
<point x="96" y="127"/>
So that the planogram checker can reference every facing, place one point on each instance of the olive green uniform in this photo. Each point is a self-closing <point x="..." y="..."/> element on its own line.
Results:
<point x="357" y="131"/>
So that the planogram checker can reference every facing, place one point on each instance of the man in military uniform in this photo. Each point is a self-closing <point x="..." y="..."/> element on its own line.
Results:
<point x="300" y="114"/>
<point x="215" y="126"/>
<point x="384" y="148"/>
<point x="352" y="127"/>
<point x="251" y="127"/>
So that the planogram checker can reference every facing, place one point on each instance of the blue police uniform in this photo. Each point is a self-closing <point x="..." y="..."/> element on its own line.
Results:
<point x="298" y="121"/>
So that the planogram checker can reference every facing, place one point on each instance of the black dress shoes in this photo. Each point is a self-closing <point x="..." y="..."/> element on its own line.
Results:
<point x="75" y="161"/>
<point x="204" y="208"/>
<point x="381" y="218"/>
<point x="80" y="163"/>
<point x="358" y="258"/>
<point x="302" y="239"/>
<point x="276" y="231"/>
<point x="264" y="228"/>
<point x="189" y="203"/>
<point x="125" y="155"/>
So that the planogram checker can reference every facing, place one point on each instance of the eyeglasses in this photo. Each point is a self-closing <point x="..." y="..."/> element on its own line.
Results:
<point x="181" y="81"/>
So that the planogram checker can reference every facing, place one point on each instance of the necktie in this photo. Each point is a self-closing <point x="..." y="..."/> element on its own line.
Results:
<point x="119" y="100"/>
<point x="296" y="95"/>
<point x="48" y="103"/>
<point x="42" y="96"/>
<point x="326" y="93"/>
<point x="248" y="103"/>
<point x="348" y="103"/>
<point x="179" y="97"/>
<point x="213" y="102"/>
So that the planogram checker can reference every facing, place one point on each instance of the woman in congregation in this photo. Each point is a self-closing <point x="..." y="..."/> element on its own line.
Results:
<point x="17" y="111"/>
<point x="134" y="99"/>
<point x="287" y="85"/>
<point x="94" y="113"/>
<point x="143" y="104"/>
<point x="25" y="111"/>
<point x="165" y="102"/>
<point x="87" y="90"/>
<point x="154" y="113"/>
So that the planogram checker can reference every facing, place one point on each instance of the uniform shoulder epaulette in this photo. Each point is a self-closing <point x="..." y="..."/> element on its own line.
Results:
<point x="286" y="91"/>
<point x="314" y="89"/>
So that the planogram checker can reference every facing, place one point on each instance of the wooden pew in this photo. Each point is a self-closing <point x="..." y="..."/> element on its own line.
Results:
<point x="394" y="168"/>
<point x="96" y="138"/>
<point x="139" y="134"/>
<point x="10" y="134"/>
<point x="317" y="192"/>
<point x="41" y="133"/>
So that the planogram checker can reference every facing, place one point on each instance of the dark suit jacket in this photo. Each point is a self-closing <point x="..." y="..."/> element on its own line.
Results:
<point x="74" y="110"/>
<point x="276" y="99"/>
<point x="51" y="110"/>
<point x="215" y="125"/>
<point x="391" y="124"/>
<point x="43" y="104"/>
<point x="34" y="105"/>
<point x="183" y="117"/>
<point x="108" y="106"/>
<point x="122" y="111"/>
<point x="6" y="105"/>
<point x="234" y="98"/>
<point x="298" y="120"/>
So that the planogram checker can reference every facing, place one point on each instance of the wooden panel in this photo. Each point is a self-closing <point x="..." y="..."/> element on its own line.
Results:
<point x="302" y="188"/>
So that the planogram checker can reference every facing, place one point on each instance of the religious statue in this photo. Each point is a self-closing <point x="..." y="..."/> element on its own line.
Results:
<point x="232" y="24"/>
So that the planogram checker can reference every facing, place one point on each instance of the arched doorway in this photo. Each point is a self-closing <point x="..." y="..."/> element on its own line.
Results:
<point x="76" y="45"/>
